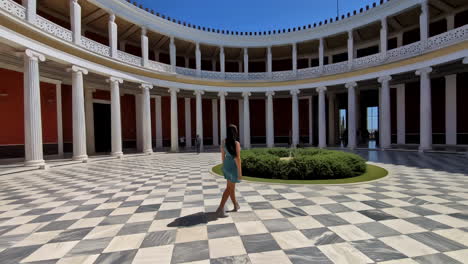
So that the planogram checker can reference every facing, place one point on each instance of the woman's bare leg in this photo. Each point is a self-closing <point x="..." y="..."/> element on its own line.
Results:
<point x="224" y="198"/>
<point x="232" y="194"/>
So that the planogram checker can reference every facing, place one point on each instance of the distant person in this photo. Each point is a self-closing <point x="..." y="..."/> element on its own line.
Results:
<point x="232" y="169"/>
<point x="198" y="143"/>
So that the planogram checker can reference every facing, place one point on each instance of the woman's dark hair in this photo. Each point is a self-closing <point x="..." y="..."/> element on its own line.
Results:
<point x="231" y="138"/>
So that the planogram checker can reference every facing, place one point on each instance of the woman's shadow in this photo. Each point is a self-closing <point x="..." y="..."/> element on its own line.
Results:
<point x="195" y="219"/>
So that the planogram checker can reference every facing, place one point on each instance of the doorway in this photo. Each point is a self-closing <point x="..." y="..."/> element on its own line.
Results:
<point x="102" y="127"/>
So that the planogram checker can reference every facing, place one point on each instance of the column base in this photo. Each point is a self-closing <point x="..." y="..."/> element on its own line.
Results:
<point x="174" y="150"/>
<point x="148" y="151"/>
<point x="322" y="146"/>
<point x="82" y="158"/>
<point x="423" y="149"/>
<point x="117" y="154"/>
<point x="34" y="163"/>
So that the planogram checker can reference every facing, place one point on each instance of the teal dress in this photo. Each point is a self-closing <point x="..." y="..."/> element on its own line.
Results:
<point x="230" y="167"/>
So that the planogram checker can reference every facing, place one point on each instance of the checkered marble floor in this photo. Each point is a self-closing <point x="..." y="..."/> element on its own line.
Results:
<point x="158" y="209"/>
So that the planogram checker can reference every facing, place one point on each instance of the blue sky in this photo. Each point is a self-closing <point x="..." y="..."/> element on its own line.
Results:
<point x="252" y="15"/>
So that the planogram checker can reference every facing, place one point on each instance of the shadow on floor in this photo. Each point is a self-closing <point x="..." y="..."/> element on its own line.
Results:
<point x="194" y="219"/>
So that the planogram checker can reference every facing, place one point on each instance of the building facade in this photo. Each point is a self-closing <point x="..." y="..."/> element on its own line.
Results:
<point x="107" y="76"/>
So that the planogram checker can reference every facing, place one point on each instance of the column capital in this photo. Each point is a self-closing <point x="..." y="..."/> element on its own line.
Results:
<point x="350" y="33"/>
<point x="246" y="94"/>
<point x="77" y="69"/>
<point x="114" y="80"/>
<point x="295" y="92"/>
<point x="144" y="31"/>
<point x="172" y="40"/>
<point x="426" y="70"/>
<point x="222" y="93"/>
<point x="321" y="89"/>
<point x="146" y="86"/>
<point x="74" y="1"/>
<point x="270" y="93"/>
<point x="198" y="92"/>
<point x="174" y="90"/>
<point x="111" y="17"/>
<point x="350" y="85"/>
<point x="465" y="60"/>
<point x="32" y="55"/>
<point x="386" y="78"/>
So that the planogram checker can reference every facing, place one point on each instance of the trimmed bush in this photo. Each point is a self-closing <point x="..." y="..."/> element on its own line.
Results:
<point x="304" y="164"/>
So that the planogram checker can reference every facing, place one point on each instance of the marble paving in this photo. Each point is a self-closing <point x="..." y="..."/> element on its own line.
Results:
<point x="159" y="209"/>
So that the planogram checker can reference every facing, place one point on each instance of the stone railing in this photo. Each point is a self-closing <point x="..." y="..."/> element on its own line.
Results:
<point x="53" y="29"/>
<point x="13" y="8"/>
<point x="368" y="61"/>
<point x="186" y="71"/>
<point x="128" y="58"/>
<point x="411" y="50"/>
<point x="94" y="46"/>
<point x="158" y="66"/>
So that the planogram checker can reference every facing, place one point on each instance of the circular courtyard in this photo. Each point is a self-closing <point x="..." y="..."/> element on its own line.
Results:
<point x="160" y="207"/>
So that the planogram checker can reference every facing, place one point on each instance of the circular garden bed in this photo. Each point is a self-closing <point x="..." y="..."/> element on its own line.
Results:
<point x="310" y="165"/>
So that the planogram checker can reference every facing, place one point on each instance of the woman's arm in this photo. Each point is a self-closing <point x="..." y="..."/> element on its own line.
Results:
<point x="222" y="152"/>
<point x="238" y="161"/>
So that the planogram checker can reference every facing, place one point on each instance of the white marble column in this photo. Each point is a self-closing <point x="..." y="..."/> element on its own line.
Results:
<point x="311" y="119"/>
<point x="172" y="53"/>
<point x="174" y="120"/>
<point x="269" y="61"/>
<point x="294" y="57"/>
<point x="144" y="47"/>
<point x="351" y="114"/>
<point x="331" y="118"/>
<point x="79" y="127"/>
<point x="156" y="55"/>
<point x="89" y="120"/>
<point x="199" y="114"/>
<point x="241" y="122"/>
<point x="383" y="36"/>
<point x="33" y="148"/>
<point x="350" y="48"/>
<point x="30" y="6"/>
<point x="270" y="131"/>
<point x="246" y="60"/>
<point x="401" y="114"/>
<point x="425" y="131"/>
<point x="222" y="60"/>
<point x="384" y="107"/>
<point x="158" y="118"/>
<point x="113" y="35"/>
<point x="321" y="53"/>
<point x="188" y="123"/>
<point x="322" y="117"/>
<point x="295" y="117"/>
<point x="116" y="121"/>
<point x="146" y="118"/>
<point x="187" y="62"/>
<point x="451" y="109"/>
<point x="214" y="105"/>
<point x="75" y="21"/>
<point x="424" y="20"/>
<point x="58" y="92"/>
<point x="450" y="21"/>
<point x="222" y="114"/>
<point x="213" y="64"/>
<point x="198" y="58"/>
<point x="246" y="120"/>
<point x="399" y="38"/>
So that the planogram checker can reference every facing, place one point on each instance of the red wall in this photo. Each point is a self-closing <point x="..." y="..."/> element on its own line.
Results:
<point x="304" y="118"/>
<point x="257" y="120"/>
<point x="166" y="117"/>
<point x="282" y="116"/>
<point x="232" y="112"/>
<point x="128" y="114"/>
<point x="12" y="109"/>
<point x="101" y="95"/>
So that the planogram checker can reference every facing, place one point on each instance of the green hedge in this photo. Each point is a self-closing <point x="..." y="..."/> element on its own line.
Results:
<point x="306" y="164"/>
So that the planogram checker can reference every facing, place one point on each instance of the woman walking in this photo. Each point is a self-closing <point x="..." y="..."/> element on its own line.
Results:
<point x="232" y="169"/>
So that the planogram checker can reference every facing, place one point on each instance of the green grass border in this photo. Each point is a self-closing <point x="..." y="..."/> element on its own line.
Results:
<point x="372" y="173"/>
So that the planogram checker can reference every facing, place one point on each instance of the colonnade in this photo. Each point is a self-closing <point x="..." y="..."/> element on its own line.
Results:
<point x="76" y="28"/>
<point x="33" y="126"/>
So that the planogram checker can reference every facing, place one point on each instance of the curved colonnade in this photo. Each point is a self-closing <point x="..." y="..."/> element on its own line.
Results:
<point x="24" y="29"/>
